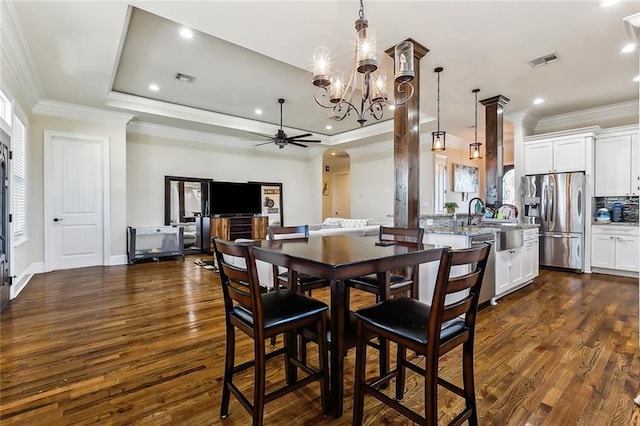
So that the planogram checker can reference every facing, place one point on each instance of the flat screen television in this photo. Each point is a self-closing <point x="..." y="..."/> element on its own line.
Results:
<point x="234" y="198"/>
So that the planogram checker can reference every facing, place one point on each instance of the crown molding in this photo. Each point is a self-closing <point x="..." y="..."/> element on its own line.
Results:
<point x="197" y="136"/>
<point x="181" y="112"/>
<point x="590" y="131"/>
<point x="81" y="112"/>
<point x="14" y="49"/>
<point x="527" y="119"/>
<point x="585" y="117"/>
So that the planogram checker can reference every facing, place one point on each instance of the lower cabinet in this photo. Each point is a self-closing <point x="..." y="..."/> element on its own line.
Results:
<point x="509" y="272"/>
<point x="234" y="227"/>
<point x="615" y="248"/>
<point x="530" y="259"/>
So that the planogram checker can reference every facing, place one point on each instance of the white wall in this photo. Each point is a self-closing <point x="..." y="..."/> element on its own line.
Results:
<point x="151" y="158"/>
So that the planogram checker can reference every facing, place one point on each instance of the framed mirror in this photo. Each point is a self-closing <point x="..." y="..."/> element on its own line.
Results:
<point x="186" y="204"/>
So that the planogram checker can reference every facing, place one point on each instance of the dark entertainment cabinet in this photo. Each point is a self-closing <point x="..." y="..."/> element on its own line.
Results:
<point x="234" y="227"/>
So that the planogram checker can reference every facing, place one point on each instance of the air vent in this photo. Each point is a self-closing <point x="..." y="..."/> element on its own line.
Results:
<point x="185" y="78"/>
<point x="544" y="60"/>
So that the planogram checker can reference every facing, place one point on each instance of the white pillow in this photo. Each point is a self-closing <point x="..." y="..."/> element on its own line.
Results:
<point x="333" y="221"/>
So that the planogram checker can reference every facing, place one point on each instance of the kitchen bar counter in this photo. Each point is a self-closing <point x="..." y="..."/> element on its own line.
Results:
<point x="476" y="229"/>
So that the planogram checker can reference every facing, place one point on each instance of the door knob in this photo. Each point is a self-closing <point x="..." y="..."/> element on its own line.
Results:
<point x="56" y="219"/>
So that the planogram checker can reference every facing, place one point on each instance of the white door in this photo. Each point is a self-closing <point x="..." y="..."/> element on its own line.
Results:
<point x="76" y="176"/>
<point x="341" y="195"/>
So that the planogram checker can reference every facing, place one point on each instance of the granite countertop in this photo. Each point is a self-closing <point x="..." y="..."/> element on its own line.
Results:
<point x="476" y="229"/>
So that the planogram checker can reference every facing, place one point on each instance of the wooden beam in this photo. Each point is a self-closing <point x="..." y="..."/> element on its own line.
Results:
<point x="493" y="110"/>
<point x="406" y="149"/>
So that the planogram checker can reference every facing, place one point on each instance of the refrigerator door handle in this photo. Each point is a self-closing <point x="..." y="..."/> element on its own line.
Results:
<point x="552" y="199"/>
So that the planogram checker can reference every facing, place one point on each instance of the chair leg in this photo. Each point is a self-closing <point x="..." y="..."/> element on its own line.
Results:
<point x="383" y="359"/>
<point x="400" y="378"/>
<point x="259" y="382"/>
<point x="361" y="358"/>
<point x="290" y="370"/>
<point x="431" y="390"/>
<point x="468" y="381"/>
<point x="228" y="371"/>
<point x="323" y="362"/>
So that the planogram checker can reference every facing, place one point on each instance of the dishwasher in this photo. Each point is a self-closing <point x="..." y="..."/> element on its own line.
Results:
<point x="488" y="289"/>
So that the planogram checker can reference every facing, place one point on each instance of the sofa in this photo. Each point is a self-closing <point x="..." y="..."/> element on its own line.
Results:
<point x="342" y="226"/>
<point x="189" y="235"/>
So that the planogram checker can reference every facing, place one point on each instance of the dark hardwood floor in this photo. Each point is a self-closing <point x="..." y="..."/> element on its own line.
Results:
<point x="144" y="344"/>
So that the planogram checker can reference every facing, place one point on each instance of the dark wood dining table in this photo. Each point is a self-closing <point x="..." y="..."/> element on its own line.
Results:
<point x="338" y="258"/>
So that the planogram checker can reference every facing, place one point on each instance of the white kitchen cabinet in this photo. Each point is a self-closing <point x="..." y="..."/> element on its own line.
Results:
<point x="615" y="248"/>
<point x="555" y="156"/>
<point x="530" y="259"/>
<point x="616" y="161"/>
<point x="538" y="158"/>
<point x="509" y="272"/>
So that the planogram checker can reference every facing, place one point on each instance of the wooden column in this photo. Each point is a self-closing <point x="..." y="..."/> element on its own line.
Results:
<point x="406" y="148"/>
<point x="493" y="109"/>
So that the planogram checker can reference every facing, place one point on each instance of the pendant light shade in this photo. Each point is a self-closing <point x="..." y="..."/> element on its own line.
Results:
<point x="438" y="138"/>
<point x="474" y="148"/>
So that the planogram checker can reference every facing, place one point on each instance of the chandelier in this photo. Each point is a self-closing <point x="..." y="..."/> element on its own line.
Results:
<point x="365" y="76"/>
<point x="474" y="148"/>
<point x="438" y="138"/>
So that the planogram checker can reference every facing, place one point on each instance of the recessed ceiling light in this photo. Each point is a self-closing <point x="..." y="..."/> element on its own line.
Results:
<point x="538" y="101"/>
<point x="258" y="111"/>
<point x="628" y="48"/>
<point x="607" y="3"/>
<point x="186" y="33"/>
<point x="636" y="78"/>
<point x="329" y="127"/>
<point x="333" y="153"/>
<point x="154" y="87"/>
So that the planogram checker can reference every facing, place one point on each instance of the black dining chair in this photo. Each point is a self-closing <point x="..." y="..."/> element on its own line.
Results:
<point x="261" y="316"/>
<point x="306" y="282"/>
<point x="402" y="282"/>
<point x="429" y="330"/>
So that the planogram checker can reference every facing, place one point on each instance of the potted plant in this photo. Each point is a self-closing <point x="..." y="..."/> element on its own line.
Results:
<point x="451" y="206"/>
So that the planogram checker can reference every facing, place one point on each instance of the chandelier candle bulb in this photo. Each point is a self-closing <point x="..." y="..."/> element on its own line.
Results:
<point x="367" y="61"/>
<point x="321" y="66"/>
<point x="403" y="65"/>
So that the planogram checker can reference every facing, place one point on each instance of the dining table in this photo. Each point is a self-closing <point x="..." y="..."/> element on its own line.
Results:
<point x="338" y="258"/>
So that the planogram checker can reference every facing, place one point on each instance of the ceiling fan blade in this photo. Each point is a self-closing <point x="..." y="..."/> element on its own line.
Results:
<point x="309" y="140"/>
<point x="300" y="136"/>
<point x="297" y="144"/>
<point x="264" y="143"/>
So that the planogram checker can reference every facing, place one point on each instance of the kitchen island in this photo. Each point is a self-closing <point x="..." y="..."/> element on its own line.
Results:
<point x="513" y="263"/>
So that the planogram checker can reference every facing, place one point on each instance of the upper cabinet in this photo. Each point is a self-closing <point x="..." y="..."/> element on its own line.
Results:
<point x="616" y="165"/>
<point x="559" y="152"/>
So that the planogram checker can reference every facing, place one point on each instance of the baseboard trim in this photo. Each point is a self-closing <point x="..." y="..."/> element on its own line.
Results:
<point x="120" y="259"/>
<point x="20" y="282"/>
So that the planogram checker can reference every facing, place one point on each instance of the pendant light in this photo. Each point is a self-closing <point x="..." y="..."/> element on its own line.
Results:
<point x="474" y="148"/>
<point x="438" y="138"/>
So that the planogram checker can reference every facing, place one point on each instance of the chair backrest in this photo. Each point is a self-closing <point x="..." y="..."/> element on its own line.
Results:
<point x="408" y="235"/>
<point x="239" y="282"/>
<point x="288" y="232"/>
<point x="466" y="286"/>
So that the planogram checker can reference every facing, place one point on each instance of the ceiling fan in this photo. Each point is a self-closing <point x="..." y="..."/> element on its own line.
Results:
<point x="281" y="139"/>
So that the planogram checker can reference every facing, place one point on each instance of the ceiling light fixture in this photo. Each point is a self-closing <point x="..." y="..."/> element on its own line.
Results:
<point x="186" y="33"/>
<point x="474" y="148"/>
<point x="340" y="91"/>
<point x="154" y="87"/>
<point x="329" y="127"/>
<point x="438" y="138"/>
<point x="636" y="78"/>
<point x="628" y="48"/>
<point x="258" y="111"/>
<point x="538" y="101"/>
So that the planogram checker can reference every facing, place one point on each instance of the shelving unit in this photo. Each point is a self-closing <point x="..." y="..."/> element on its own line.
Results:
<point x="234" y="227"/>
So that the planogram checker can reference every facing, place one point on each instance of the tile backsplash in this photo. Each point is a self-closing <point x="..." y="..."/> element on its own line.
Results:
<point x="629" y="206"/>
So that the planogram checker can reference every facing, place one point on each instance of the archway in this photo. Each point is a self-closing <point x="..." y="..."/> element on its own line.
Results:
<point x="336" y="184"/>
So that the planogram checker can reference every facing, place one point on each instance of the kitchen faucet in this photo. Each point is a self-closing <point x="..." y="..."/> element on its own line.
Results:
<point x="470" y="203"/>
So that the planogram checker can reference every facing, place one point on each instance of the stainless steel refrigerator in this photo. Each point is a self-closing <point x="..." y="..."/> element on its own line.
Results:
<point x="557" y="203"/>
